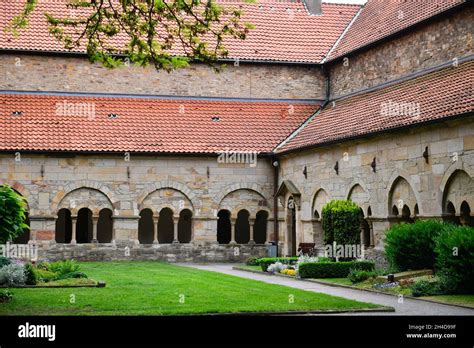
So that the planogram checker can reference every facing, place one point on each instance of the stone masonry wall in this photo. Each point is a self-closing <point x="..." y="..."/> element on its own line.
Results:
<point x="446" y="39"/>
<point x="98" y="182"/>
<point x="70" y="74"/>
<point x="448" y="175"/>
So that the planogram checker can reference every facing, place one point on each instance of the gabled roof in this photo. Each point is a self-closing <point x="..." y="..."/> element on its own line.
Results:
<point x="284" y="30"/>
<point x="441" y="94"/>
<point x="379" y="19"/>
<point x="88" y="123"/>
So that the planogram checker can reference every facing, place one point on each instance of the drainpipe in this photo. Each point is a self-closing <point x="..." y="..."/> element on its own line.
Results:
<point x="276" y="227"/>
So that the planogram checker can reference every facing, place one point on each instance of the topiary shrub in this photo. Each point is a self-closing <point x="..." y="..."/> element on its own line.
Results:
<point x="12" y="214"/>
<point x="332" y="269"/>
<point x="411" y="246"/>
<point x="357" y="275"/>
<point x="341" y="222"/>
<point x="455" y="259"/>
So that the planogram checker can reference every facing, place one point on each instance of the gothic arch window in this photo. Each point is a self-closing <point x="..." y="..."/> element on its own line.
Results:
<point x="465" y="215"/>
<point x="223" y="227"/>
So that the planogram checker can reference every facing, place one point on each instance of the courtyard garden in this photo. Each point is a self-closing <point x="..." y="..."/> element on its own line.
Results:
<point x="156" y="288"/>
<point x="427" y="259"/>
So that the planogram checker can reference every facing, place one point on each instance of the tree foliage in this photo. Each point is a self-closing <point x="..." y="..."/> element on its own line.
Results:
<point x="165" y="33"/>
<point x="12" y="214"/>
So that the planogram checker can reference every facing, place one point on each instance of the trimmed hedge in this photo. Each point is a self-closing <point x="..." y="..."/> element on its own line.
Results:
<point x="455" y="259"/>
<point x="332" y="269"/>
<point x="411" y="246"/>
<point x="341" y="222"/>
<point x="264" y="262"/>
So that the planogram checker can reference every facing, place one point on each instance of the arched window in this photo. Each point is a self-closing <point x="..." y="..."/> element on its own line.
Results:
<point x="465" y="215"/>
<point x="406" y="214"/>
<point x="242" y="227"/>
<point x="84" y="226"/>
<point x="104" y="226"/>
<point x="145" y="227"/>
<point x="223" y="227"/>
<point x="260" y="227"/>
<point x="166" y="226"/>
<point x="395" y="211"/>
<point x="364" y="229"/>
<point x="24" y="236"/>
<point x="64" y="226"/>
<point x="185" y="226"/>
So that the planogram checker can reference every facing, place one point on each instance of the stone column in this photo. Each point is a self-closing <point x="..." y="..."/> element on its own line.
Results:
<point x="232" y="231"/>
<point x="156" y="219"/>
<point x="251" y="223"/>
<point x="175" y="223"/>
<point x="73" y="232"/>
<point x="95" y="220"/>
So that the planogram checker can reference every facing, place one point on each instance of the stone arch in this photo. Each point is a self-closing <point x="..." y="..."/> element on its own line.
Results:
<point x="359" y="195"/>
<point x="242" y="199"/>
<point x="234" y="187"/>
<point x="85" y="197"/>
<point x="166" y="226"/>
<point x="23" y="191"/>
<point x="146" y="226"/>
<point x="320" y="198"/>
<point x="185" y="226"/>
<point x="89" y="184"/>
<point x="169" y="184"/>
<point x="401" y="193"/>
<point x="459" y="187"/>
<point x="166" y="198"/>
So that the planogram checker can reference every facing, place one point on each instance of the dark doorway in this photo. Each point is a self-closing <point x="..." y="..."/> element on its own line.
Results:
<point x="242" y="227"/>
<point x="84" y="226"/>
<point x="24" y="236"/>
<point x="223" y="227"/>
<point x="64" y="226"/>
<point x="166" y="226"/>
<point x="291" y="225"/>
<point x="145" y="227"/>
<point x="260" y="227"/>
<point x="104" y="226"/>
<point x="185" y="226"/>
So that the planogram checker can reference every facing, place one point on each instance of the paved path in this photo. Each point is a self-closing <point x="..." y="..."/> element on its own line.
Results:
<point x="408" y="307"/>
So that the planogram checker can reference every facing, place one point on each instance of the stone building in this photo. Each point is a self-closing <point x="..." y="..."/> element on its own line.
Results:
<point x="371" y="103"/>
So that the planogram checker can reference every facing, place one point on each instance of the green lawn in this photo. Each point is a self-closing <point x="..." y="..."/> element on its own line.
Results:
<point x="464" y="300"/>
<point x="155" y="288"/>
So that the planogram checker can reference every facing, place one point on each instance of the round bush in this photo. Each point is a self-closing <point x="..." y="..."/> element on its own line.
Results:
<point x="411" y="246"/>
<point x="341" y="222"/>
<point x="455" y="259"/>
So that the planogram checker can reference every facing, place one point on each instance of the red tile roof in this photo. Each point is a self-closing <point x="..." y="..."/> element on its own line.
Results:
<point x="381" y="18"/>
<point x="437" y="95"/>
<point x="145" y="124"/>
<point x="284" y="29"/>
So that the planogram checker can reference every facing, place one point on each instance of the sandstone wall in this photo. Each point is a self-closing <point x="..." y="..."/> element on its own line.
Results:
<point x="70" y="74"/>
<point x="441" y="41"/>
